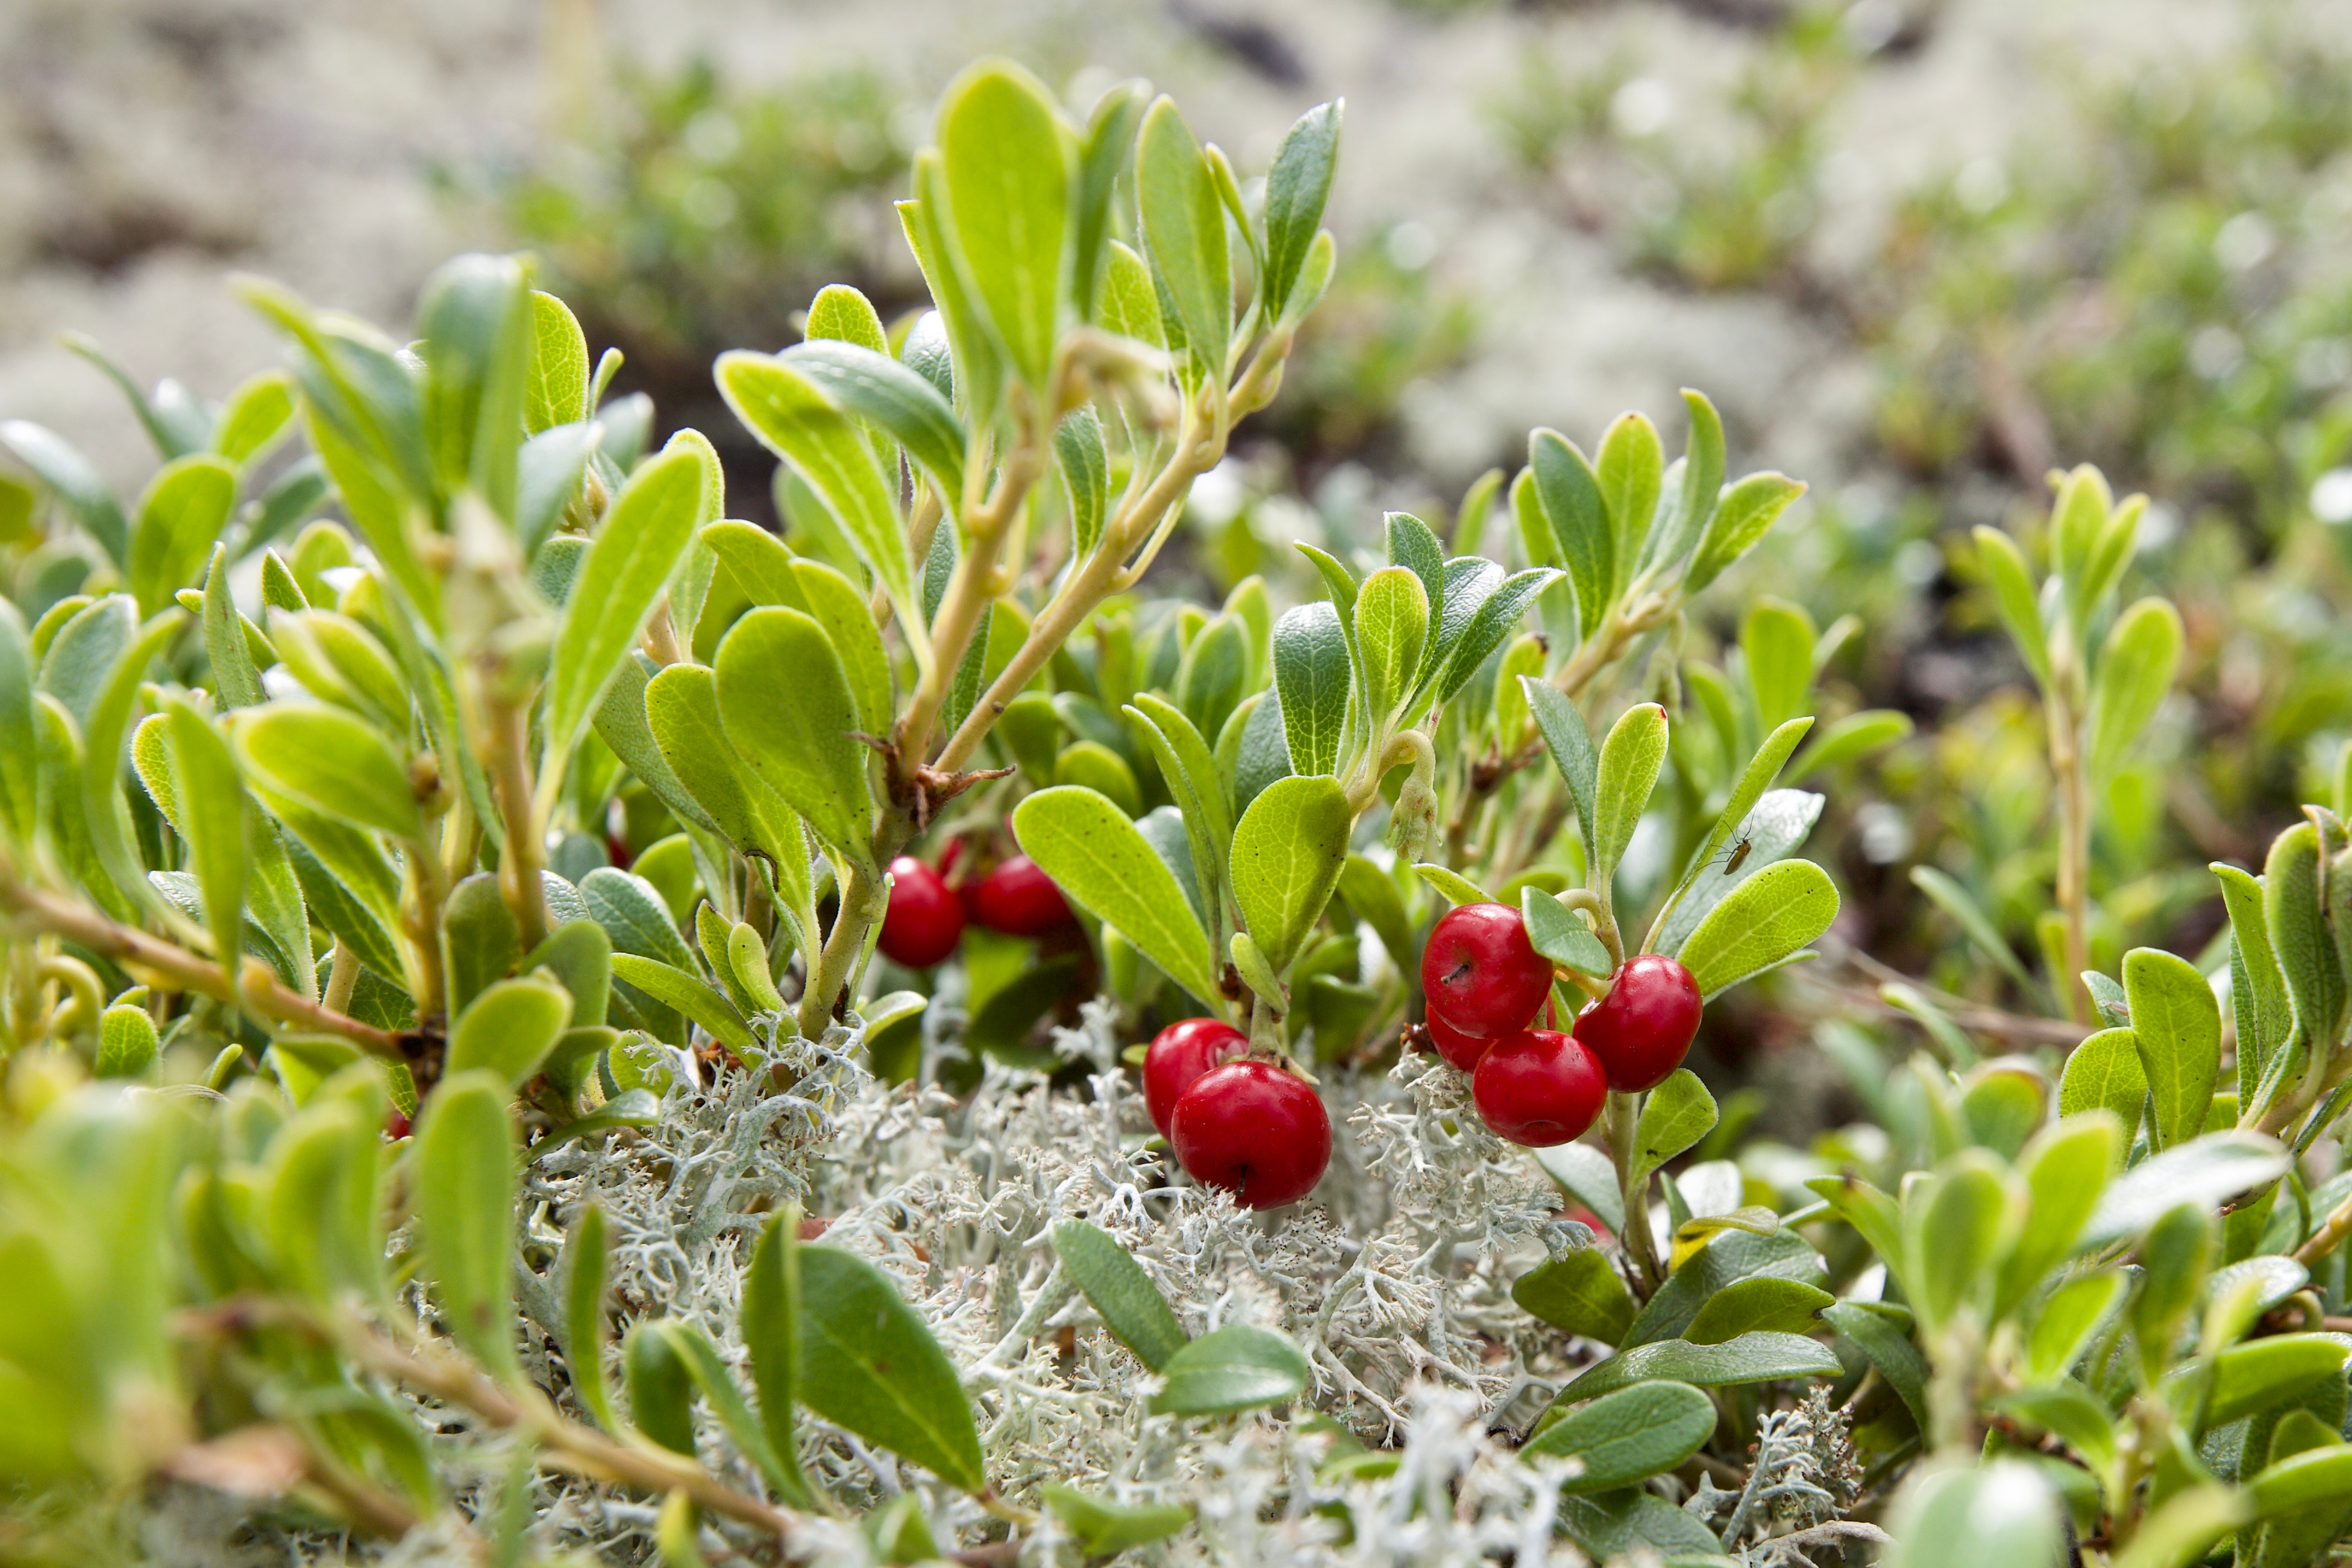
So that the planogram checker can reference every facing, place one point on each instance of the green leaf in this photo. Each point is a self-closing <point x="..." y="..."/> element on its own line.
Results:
<point x="211" y="817"/>
<point x="1559" y="936"/>
<point x="1579" y="1293"/>
<point x="842" y="609"/>
<point x="1957" y="1230"/>
<point x="1392" y="630"/>
<point x="1753" y="780"/>
<point x="785" y="704"/>
<point x="127" y="1045"/>
<point x="1618" y="1527"/>
<point x="2177" y="1024"/>
<point x="1287" y="851"/>
<point x="1956" y="902"/>
<point x="1759" y="924"/>
<point x="770" y="1327"/>
<point x="1105" y="1529"/>
<point x="1846" y="739"/>
<point x="1629" y="1436"/>
<point x="1572" y="501"/>
<point x="1630" y="465"/>
<point x="2014" y="596"/>
<point x="2065" y="1168"/>
<point x="1882" y="1334"/>
<point x="1190" y="771"/>
<point x="464" y="1205"/>
<point x="689" y="994"/>
<point x="1007" y="164"/>
<point x="1313" y="671"/>
<point x="1236" y="1368"/>
<point x="1497" y="613"/>
<point x="1131" y="1307"/>
<point x="1750" y="1358"/>
<point x="331" y="762"/>
<point x="2105" y="1070"/>
<point x="907" y="407"/>
<point x="557" y="390"/>
<point x="1777" y="641"/>
<point x="70" y="477"/>
<point x="1628" y="771"/>
<point x="1128" y="304"/>
<point x="1184" y="232"/>
<point x="681" y="707"/>
<point x="1780" y="821"/>
<point x="1692" y="505"/>
<point x="1084" y="465"/>
<point x="184" y="511"/>
<point x="1763" y="1302"/>
<point x="586" y="1257"/>
<point x="1727" y="1257"/>
<point x="1110" y="145"/>
<point x="1585" y="1173"/>
<point x="1967" y="1517"/>
<point x="1456" y="888"/>
<point x="633" y="915"/>
<point x="2075" y="1315"/>
<point x="1370" y="893"/>
<point x="661" y="1389"/>
<point x="790" y="411"/>
<point x="2299" y="932"/>
<point x="694" y="1352"/>
<point x="2250" y="1376"/>
<point x="475" y="319"/>
<point x="111" y="837"/>
<point x="1748" y="510"/>
<point x="2071" y="1411"/>
<point x="1677" y="1114"/>
<point x="1569" y="741"/>
<point x="867" y="1363"/>
<point x="508" y="1028"/>
<point x="2136" y="670"/>
<point x="2210" y="1170"/>
<point x="628" y="564"/>
<point x="1296" y="189"/>
<point x="1099" y="858"/>
<point x="2259" y="1006"/>
<point x="2312" y="1478"/>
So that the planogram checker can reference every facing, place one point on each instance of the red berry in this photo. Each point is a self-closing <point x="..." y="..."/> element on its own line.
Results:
<point x="1179" y="1053"/>
<point x="924" y="922"/>
<point x="396" y="1125"/>
<point x="1018" y="899"/>
<point x="1481" y="973"/>
<point x="1460" y="1050"/>
<point x="1642" y="1029"/>
<point x="1257" y="1131"/>
<point x="1540" y="1088"/>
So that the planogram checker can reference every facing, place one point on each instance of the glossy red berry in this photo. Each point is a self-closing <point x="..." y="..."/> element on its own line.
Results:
<point x="924" y="922"/>
<point x="1480" y="972"/>
<point x="1018" y="899"/>
<point x="1642" y="1029"/>
<point x="1460" y="1050"/>
<point x="1179" y="1053"/>
<point x="1257" y="1131"/>
<point x="1539" y="1087"/>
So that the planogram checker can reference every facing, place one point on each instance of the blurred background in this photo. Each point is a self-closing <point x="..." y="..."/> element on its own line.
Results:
<point x="1918" y="251"/>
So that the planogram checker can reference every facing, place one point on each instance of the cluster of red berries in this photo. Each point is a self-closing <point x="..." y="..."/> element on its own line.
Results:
<point x="1486" y="984"/>
<point x="926" y="915"/>
<point x="1236" y="1122"/>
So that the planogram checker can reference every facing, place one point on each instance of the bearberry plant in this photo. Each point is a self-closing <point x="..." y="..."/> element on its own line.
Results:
<point x="545" y="1023"/>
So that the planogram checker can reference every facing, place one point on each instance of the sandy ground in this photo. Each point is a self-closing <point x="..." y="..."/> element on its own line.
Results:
<point x="151" y="148"/>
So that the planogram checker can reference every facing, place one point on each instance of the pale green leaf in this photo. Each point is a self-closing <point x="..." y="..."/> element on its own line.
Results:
<point x="1096" y="856"/>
